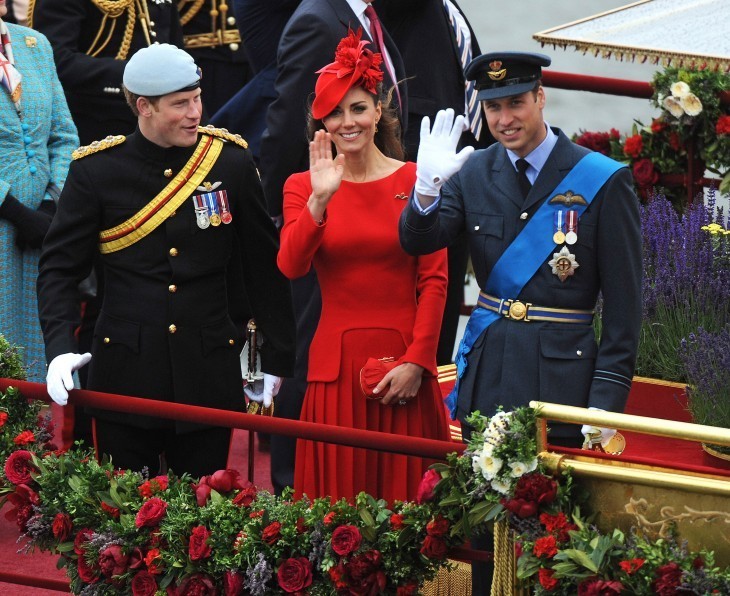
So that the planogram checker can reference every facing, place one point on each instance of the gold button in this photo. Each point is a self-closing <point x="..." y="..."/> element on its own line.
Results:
<point x="173" y="252"/>
<point x="523" y="216"/>
<point x="168" y="173"/>
<point x="172" y="328"/>
<point x="106" y="340"/>
<point x="172" y="288"/>
<point x="231" y="342"/>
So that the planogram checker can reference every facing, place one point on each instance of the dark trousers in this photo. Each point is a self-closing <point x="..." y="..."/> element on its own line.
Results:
<point x="198" y="453"/>
<point x="458" y="257"/>
<point x="307" y="301"/>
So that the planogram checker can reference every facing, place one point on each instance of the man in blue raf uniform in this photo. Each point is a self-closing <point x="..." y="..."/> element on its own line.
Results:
<point x="179" y="218"/>
<point x="550" y="225"/>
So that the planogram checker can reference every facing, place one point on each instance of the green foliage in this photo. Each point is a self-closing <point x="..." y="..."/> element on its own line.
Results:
<point x="11" y="361"/>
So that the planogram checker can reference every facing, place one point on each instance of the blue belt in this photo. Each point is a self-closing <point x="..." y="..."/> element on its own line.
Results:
<point x="525" y="311"/>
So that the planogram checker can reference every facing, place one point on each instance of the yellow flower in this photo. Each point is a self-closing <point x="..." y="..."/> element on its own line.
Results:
<point x="679" y="89"/>
<point x="691" y="104"/>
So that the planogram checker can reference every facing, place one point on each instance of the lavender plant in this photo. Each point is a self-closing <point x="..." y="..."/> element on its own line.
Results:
<point x="686" y="282"/>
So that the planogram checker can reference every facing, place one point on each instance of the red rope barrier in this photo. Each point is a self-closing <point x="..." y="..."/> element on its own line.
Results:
<point x="37" y="582"/>
<point x="351" y="437"/>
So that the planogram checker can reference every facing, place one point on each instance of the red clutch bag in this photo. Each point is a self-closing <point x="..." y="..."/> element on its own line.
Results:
<point x="373" y="372"/>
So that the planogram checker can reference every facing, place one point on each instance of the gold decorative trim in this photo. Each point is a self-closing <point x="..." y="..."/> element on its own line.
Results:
<point x="212" y="40"/>
<point x="96" y="146"/>
<point x="715" y="453"/>
<point x="223" y="133"/>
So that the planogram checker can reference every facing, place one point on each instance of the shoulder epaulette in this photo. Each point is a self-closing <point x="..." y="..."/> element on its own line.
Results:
<point x="223" y="133"/>
<point x="110" y="141"/>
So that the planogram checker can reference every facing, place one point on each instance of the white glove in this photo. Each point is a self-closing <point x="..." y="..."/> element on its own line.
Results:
<point x="437" y="157"/>
<point x="264" y="392"/>
<point x="59" y="379"/>
<point x="606" y="433"/>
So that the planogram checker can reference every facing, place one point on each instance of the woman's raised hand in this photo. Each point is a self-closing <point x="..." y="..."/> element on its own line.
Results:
<point x="325" y="173"/>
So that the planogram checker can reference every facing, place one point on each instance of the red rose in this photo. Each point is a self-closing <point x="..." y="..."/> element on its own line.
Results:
<point x="674" y="141"/>
<point x="558" y="525"/>
<point x="112" y="561"/>
<point x="329" y="518"/>
<point x="545" y="547"/>
<point x="197" y="584"/>
<point x="365" y="574"/>
<point x="531" y="491"/>
<point x="337" y="576"/>
<point x="151" y="513"/>
<point x="198" y="546"/>
<point x="18" y="467"/>
<point x="3" y="418"/>
<point x="520" y="507"/>
<point x="24" y="438"/>
<point x="595" y="141"/>
<point x="301" y="526"/>
<point x="136" y="558"/>
<point x="437" y="527"/>
<point x="658" y="125"/>
<point x="410" y="589"/>
<point x="151" y="559"/>
<point x="153" y="486"/>
<point x="144" y="584"/>
<point x="271" y="533"/>
<point x="434" y="547"/>
<point x="112" y="511"/>
<point x="547" y="581"/>
<point x="669" y="577"/>
<point x="88" y="573"/>
<point x="82" y="537"/>
<point x="224" y="481"/>
<point x="631" y="566"/>
<point x="428" y="484"/>
<point x="22" y="501"/>
<point x="246" y="496"/>
<point x="232" y="583"/>
<point x="598" y="587"/>
<point x="346" y="540"/>
<point x="202" y="493"/>
<point x="61" y="526"/>
<point x="396" y="521"/>
<point x="633" y="146"/>
<point x="723" y="125"/>
<point x="294" y="575"/>
<point x="644" y="172"/>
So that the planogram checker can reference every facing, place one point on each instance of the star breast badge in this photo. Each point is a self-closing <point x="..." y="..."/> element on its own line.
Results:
<point x="563" y="264"/>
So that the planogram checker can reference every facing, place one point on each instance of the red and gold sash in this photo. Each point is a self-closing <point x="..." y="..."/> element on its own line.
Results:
<point x="154" y="213"/>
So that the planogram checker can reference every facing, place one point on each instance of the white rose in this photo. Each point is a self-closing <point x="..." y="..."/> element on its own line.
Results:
<point x="691" y="104"/>
<point x="673" y="106"/>
<point x="532" y="466"/>
<point x="501" y="486"/>
<point x="499" y="422"/>
<point x="487" y="465"/>
<point x="679" y="89"/>
<point x="518" y="468"/>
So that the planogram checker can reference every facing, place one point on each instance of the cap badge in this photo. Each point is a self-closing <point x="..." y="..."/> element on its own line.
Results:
<point x="497" y="73"/>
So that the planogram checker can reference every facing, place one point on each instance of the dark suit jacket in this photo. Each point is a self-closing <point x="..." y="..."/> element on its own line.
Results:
<point x="435" y="75"/>
<point x="308" y="43"/>
<point x="514" y="362"/>
<point x="93" y="84"/>
<point x="178" y="275"/>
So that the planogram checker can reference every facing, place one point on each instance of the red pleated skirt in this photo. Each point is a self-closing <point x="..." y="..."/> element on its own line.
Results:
<point x="324" y="469"/>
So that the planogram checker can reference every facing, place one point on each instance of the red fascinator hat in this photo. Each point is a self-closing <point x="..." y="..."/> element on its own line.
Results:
<point x="354" y="66"/>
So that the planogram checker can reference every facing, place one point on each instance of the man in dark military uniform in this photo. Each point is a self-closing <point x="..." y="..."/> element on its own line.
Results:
<point x="213" y="40"/>
<point x="176" y="211"/>
<point x="550" y="225"/>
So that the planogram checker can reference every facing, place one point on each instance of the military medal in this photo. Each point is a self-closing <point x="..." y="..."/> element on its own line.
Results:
<point x="563" y="263"/>
<point x="559" y="235"/>
<point x="215" y="218"/>
<point x="201" y="212"/>
<point x="572" y="235"/>
<point x="226" y="216"/>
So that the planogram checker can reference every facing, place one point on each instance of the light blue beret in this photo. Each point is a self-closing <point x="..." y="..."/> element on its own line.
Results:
<point x="160" y="69"/>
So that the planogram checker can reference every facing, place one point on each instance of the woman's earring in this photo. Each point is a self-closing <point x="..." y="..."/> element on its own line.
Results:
<point x="376" y="126"/>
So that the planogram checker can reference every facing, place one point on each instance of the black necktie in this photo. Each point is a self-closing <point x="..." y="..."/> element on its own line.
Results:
<point x="522" y="178"/>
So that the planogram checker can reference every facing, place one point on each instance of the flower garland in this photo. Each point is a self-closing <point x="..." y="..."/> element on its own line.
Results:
<point x="122" y="532"/>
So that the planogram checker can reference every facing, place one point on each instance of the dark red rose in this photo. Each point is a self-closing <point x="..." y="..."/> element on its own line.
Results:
<point x="396" y="521"/>
<point x="531" y="491"/>
<point x="698" y="562"/>
<point x="88" y="573"/>
<point x="365" y="574"/>
<point x="595" y="141"/>
<point x="151" y="513"/>
<point x="24" y="438"/>
<point x="197" y="584"/>
<point x="674" y="141"/>
<point x="294" y="575"/>
<point x="246" y="496"/>
<point x="62" y="526"/>
<point x="346" y="540"/>
<point x="112" y="561"/>
<point x="144" y="584"/>
<point x="21" y="501"/>
<point x="520" y="507"/>
<point x="410" y="589"/>
<point x="434" y="547"/>
<point x="18" y="467"/>
<point x="644" y="172"/>
<point x="599" y="587"/>
<point x="82" y="537"/>
<point x="428" y="484"/>
<point x="437" y="527"/>
<point x="301" y="525"/>
<point x="232" y="583"/>
<point x="546" y="546"/>
<point x="338" y="577"/>
<point x="631" y="566"/>
<point x="271" y="533"/>
<point x="136" y="558"/>
<point x="224" y="481"/>
<point x="546" y="579"/>
<point x="723" y="125"/>
<point x="202" y="493"/>
<point x="633" y="146"/>
<point x="198" y="546"/>
<point x="669" y="577"/>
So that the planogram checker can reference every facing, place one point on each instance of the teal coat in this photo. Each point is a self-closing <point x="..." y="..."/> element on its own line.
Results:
<point x="36" y="151"/>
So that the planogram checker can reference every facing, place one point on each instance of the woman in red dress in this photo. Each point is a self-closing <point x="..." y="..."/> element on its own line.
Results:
<point x="342" y="218"/>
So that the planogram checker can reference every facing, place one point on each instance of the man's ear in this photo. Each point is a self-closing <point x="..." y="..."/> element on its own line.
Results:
<point x="144" y="107"/>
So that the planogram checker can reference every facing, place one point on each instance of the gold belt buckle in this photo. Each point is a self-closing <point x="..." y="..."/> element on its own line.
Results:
<point x="517" y="310"/>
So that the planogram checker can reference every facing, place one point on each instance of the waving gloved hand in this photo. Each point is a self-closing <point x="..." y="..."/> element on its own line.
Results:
<point x="437" y="157"/>
<point x="59" y="379"/>
<point x="264" y="393"/>
<point x="606" y="433"/>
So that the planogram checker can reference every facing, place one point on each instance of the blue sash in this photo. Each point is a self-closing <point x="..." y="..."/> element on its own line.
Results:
<point x="521" y="260"/>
